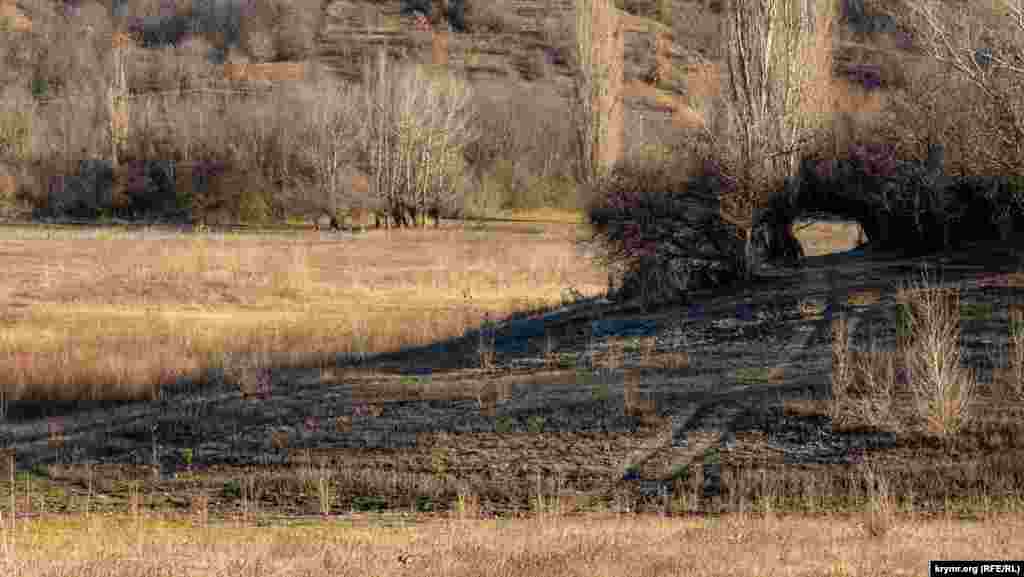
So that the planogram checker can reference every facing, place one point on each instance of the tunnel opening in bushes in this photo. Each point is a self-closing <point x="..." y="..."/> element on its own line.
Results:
<point x="908" y="206"/>
<point x="668" y="238"/>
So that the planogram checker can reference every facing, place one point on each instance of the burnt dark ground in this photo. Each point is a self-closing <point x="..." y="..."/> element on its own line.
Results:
<point x="742" y="327"/>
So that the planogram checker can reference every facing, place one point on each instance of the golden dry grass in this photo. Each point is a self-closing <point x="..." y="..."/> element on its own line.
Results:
<point x="552" y="215"/>
<point x="97" y="313"/>
<point x="112" y="316"/>
<point x="547" y="545"/>
<point x="820" y="238"/>
<point x="265" y="72"/>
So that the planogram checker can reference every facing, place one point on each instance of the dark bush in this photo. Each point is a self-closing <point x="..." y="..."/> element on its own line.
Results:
<point x="457" y="15"/>
<point x="665" y="235"/>
<point x="157" y="31"/>
<point x="410" y="7"/>
<point x="83" y="194"/>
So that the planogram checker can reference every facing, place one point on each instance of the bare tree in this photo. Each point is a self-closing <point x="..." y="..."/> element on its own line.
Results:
<point x="333" y="146"/>
<point x="597" y="103"/>
<point x="418" y="126"/>
<point x="980" y="43"/>
<point x="779" y="68"/>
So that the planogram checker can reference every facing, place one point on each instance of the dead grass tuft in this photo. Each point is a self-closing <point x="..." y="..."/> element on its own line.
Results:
<point x="1009" y="371"/>
<point x="926" y="365"/>
<point x="943" y="390"/>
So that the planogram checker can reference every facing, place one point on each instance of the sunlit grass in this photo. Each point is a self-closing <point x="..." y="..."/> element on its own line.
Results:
<point x="549" y="545"/>
<point x="820" y="238"/>
<point x="117" y="315"/>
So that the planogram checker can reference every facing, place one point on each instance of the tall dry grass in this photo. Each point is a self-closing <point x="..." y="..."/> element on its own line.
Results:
<point x="943" y="390"/>
<point x="1009" y="366"/>
<point x="927" y="361"/>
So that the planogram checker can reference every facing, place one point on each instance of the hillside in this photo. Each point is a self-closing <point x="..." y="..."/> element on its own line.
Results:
<point x="516" y="55"/>
<point x="670" y="71"/>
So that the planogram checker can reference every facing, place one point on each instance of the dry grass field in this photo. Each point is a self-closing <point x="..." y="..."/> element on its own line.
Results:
<point x="762" y="545"/>
<point x="108" y="314"/>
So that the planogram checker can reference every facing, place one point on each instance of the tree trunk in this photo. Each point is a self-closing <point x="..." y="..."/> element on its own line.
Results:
<point x="774" y="62"/>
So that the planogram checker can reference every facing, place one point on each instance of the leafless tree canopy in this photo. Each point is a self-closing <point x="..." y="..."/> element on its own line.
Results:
<point x="980" y="45"/>
<point x="334" y="144"/>
<point x="597" y="105"/>
<point x="418" y="124"/>
<point x="779" y="63"/>
<point x="776" y="65"/>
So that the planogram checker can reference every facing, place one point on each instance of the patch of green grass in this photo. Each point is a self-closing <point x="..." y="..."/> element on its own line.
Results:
<point x="369" y="503"/>
<point x="56" y="493"/>
<point x="680" y="472"/>
<point x="413" y="380"/>
<point x="632" y="345"/>
<point x="425" y="504"/>
<point x="904" y="319"/>
<point x="110" y="233"/>
<point x="32" y="475"/>
<point x="301" y="523"/>
<point x="232" y="489"/>
<point x="752" y="375"/>
<point x="592" y="504"/>
<point x="40" y="470"/>
<point x="567" y="360"/>
<point x="712" y="456"/>
<point x="504" y="425"/>
<point x="1016" y="327"/>
<point x="439" y="461"/>
<point x="535" y="424"/>
<point x="979" y="311"/>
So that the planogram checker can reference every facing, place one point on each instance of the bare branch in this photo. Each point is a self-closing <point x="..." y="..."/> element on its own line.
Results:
<point x="998" y="75"/>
